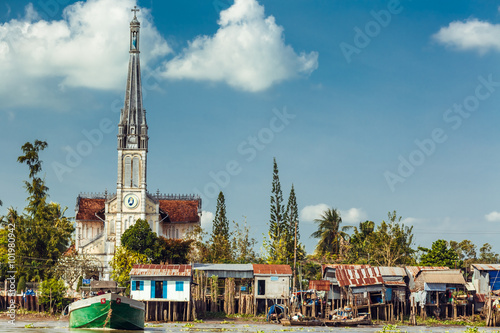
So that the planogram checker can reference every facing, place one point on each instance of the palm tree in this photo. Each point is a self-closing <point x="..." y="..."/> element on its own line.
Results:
<point x="329" y="232"/>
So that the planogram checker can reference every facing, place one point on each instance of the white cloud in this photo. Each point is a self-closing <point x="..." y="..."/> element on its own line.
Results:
<point x="310" y="213"/>
<point x="411" y="221"/>
<point x="471" y="34"/>
<point x="493" y="216"/>
<point x="353" y="215"/>
<point x="87" y="48"/>
<point x="247" y="52"/>
<point x="206" y="220"/>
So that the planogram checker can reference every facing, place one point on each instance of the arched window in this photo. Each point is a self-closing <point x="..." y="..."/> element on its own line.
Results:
<point x="135" y="172"/>
<point x="127" y="177"/>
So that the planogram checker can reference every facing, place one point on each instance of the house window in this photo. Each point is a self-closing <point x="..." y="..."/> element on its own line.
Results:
<point x="179" y="286"/>
<point x="137" y="285"/>
<point x="261" y="287"/>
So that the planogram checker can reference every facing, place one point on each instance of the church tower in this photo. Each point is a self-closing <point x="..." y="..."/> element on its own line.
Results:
<point x="102" y="218"/>
<point x="131" y="188"/>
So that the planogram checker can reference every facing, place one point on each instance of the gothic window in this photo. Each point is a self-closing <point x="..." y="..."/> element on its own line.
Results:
<point x="177" y="233"/>
<point x="128" y="171"/>
<point x="135" y="172"/>
<point x="112" y="226"/>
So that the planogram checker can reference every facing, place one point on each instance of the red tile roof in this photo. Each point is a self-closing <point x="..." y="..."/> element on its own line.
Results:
<point x="320" y="285"/>
<point x="180" y="210"/>
<point x="358" y="277"/>
<point x="161" y="270"/>
<point x="272" y="269"/>
<point x="87" y="208"/>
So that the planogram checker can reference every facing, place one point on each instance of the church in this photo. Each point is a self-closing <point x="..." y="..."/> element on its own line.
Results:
<point x="101" y="219"/>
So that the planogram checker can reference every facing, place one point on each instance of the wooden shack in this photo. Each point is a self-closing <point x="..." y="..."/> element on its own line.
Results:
<point x="166" y="290"/>
<point x="328" y="272"/>
<point x="486" y="280"/>
<point x="271" y="286"/>
<point x="436" y="291"/>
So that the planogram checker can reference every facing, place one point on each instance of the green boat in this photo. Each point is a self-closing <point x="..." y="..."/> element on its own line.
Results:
<point x="107" y="311"/>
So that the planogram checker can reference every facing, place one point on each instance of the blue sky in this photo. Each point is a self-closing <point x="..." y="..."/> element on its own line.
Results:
<point x="368" y="106"/>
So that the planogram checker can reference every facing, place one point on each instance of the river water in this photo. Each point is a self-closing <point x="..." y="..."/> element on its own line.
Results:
<point x="62" y="326"/>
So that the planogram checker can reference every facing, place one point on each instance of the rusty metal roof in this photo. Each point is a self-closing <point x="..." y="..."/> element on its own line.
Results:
<point x="486" y="267"/>
<point x="395" y="283"/>
<point x="392" y="271"/>
<point x="335" y="266"/>
<point x="264" y="269"/>
<point x="161" y="270"/>
<point x="320" y="285"/>
<point x="451" y="276"/>
<point x="358" y="277"/>
<point x="414" y="270"/>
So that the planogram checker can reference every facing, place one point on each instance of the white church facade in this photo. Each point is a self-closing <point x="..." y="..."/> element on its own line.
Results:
<point x="101" y="219"/>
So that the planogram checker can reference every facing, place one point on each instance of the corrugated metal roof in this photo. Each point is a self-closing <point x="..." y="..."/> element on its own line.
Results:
<point x="264" y="269"/>
<point x="333" y="267"/>
<point x="392" y="271"/>
<point x="414" y="270"/>
<point x="320" y="285"/>
<point x="395" y="283"/>
<point x="452" y="276"/>
<point x="241" y="271"/>
<point x="486" y="267"/>
<point x="161" y="270"/>
<point x="358" y="277"/>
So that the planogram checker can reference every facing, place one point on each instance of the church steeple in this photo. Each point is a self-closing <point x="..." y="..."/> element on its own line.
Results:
<point x="133" y="129"/>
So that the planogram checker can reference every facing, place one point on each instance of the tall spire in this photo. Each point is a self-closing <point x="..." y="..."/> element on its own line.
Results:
<point x="133" y="129"/>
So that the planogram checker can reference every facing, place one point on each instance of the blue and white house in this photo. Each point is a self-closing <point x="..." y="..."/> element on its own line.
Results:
<point x="161" y="283"/>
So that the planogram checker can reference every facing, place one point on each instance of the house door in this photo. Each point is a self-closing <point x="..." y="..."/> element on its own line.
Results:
<point x="158" y="289"/>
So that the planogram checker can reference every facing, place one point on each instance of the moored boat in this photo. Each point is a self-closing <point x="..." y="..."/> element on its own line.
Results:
<point x="107" y="311"/>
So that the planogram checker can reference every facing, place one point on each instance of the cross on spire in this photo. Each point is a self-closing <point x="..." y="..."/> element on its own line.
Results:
<point x="135" y="10"/>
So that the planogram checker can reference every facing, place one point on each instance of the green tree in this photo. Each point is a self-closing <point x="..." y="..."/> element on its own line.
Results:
<point x="200" y="249"/>
<point x="220" y="249"/>
<point x="359" y="243"/>
<point x="279" y="236"/>
<point x="487" y="256"/>
<point x="173" y="251"/>
<point x="79" y="284"/>
<point x="330" y="233"/>
<point x="141" y="239"/>
<point x="440" y="254"/>
<point x="52" y="294"/>
<point x="43" y="232"/>
<point x="21" y="285"/>
<point x="123" y="261"/>
<point x="392" y="243"/>
<point x="243" y="244"/>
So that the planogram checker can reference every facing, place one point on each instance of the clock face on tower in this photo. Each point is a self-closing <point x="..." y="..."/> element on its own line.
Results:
<point x="131" y="201"/>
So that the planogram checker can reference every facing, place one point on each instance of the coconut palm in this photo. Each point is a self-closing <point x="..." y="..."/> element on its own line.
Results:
<point x="329" y="232"/>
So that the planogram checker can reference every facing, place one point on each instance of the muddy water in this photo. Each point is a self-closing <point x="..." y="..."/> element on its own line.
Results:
<point x="59" y="327"/>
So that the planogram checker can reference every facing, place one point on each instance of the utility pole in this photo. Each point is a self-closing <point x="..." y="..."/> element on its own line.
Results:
<point x="295" y="259"/>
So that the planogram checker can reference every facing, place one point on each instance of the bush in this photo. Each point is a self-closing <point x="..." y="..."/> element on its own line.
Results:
<point x="52" y="293"/>
<point x="79" y="284"/>
<point x="21" y="285"/>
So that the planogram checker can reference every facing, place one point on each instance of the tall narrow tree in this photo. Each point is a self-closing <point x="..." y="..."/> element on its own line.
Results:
<point x="43" y="233"/>
<point x="277" y="226"/>
<point x="294" y="248"/>
<point x="220" y="243"/>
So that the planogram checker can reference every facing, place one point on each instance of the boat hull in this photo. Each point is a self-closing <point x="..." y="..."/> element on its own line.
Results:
<point x="107" y="311"/>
